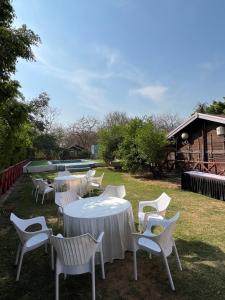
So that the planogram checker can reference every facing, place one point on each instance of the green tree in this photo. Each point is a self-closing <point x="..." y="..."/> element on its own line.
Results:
<point x="215" y="108"/>
<point x="109" y="140"/>
<point x="15" y="43"/>
<point x="143" y="146"/>
<point x="46" y="145"/>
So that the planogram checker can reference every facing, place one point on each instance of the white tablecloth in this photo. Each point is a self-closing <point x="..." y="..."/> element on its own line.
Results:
<point x="207" y="175"/>
<point x="76" y="182"/>
<point x="93" y="215"/>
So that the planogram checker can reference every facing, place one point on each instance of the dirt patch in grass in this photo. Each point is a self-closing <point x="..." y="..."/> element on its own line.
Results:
<point x="145" y="180"/>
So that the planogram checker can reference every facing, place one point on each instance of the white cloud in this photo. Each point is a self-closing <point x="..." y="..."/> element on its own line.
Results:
<point x="111" y="56"/>
<point x="155" y="93"/>
<point x="89" y="86"/>
<point x="82" y="82"/>
<point x="207" y="66"/>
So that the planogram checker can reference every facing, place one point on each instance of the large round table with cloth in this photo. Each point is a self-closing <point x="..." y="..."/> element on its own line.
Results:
<point x="76" y="182"/>
<point x="93" y="215"/>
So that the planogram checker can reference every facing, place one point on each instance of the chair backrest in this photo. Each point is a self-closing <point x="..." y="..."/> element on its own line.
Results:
<point x="90" y="173"/>
<point x="20" y="225"/>
<point x="165" y="239"/>
<point x="64" y="198"/>
<point x="162" y="202"/>
<point x="64" y="173"/>
<point x="75" y="250"/>
<point x="36" y="181"/>
<point x="42" y="186"/>
<point x="114" y="191"/>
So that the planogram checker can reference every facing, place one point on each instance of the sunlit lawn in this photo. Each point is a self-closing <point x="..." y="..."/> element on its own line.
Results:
<point x="200" y="236"/>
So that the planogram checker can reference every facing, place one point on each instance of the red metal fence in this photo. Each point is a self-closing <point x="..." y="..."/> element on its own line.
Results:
<point x="9" y="176"/>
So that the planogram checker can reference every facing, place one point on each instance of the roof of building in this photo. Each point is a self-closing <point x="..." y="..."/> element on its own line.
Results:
<point x="76" y="147"/>
<point x="212" y="118"/>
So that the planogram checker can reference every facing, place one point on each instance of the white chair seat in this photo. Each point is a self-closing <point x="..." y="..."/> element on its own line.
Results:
<point x="147" y="244"/>
<point x="37" y="240"/>
<point x="49" y="189"/>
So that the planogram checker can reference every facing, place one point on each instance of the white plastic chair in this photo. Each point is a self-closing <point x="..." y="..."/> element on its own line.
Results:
<point x="35" y="185"/>
<point x="114" y="191"/>
<point x="160" y="204"/>
<point x="64" y="198"/>
<point x="29" y="240"/>
<point x="162" y="244"/>
<point x="44" y="188"/>
<point x="95" y="183"/>
<point x="76" y="255"/>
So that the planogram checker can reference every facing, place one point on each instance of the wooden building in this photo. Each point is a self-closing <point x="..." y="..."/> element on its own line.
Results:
<point x="199" y="144"/>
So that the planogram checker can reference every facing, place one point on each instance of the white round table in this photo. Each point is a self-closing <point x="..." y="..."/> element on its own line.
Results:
<point x="75" y="182"/>
<point x="93" y="215"/>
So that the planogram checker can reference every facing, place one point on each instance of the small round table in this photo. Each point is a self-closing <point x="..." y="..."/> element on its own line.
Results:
<point x="93" y="215"/>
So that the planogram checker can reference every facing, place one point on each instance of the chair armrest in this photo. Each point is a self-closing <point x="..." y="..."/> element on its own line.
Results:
<point x="28" y="235"/>
<point x="96" y="179"/>
<point x="59" y="235"/>
<point x="142" y="204"/>
<point x="155" y="222"/>
<point x="36" y="220"/>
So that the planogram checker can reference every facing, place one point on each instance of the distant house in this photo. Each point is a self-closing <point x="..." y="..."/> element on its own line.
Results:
<point x="74" y="151"/>
<point x="199" y="143"/>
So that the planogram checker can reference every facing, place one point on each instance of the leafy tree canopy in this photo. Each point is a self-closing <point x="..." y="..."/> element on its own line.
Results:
<point x="15" y="43"/>
<point x="109" y="140"/>
<point x="215" y="108"/>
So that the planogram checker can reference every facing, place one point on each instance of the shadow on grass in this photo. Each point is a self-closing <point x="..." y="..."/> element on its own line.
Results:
<point x="203" y="270"/>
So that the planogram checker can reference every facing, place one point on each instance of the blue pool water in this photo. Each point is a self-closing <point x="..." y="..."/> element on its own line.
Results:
<point x="69" y="161"/>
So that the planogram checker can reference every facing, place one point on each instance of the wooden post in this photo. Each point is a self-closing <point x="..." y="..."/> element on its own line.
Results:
<point x="204" y="142"/>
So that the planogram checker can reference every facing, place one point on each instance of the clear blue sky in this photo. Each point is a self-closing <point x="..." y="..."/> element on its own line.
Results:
<point x="137" y="56"/>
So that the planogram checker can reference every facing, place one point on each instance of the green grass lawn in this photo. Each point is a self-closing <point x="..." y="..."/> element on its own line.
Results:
<point x="200" y="239"/>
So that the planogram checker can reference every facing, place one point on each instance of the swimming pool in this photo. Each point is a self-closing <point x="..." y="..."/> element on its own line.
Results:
<point x="61" y="165"/>
<point x="73" y="164"/>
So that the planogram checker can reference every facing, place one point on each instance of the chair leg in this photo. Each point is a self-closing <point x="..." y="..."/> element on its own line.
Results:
<point x="52" y="257"/>
<point x="20" y="265"/>
<point x="37" y="194"/>
<point x="43" y="198"/>
<point x="18" y="254"/>
<point x="177" y="257"/>
<point x="58" y="218"/>
<point x="102" y="264"/>
<point x="135" y="264"/>
<point x="169" y="274"/>
<point x="93" y="277"/>
<point x="56" y="286"/>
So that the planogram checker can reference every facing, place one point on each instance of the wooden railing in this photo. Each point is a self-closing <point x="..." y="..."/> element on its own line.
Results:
<point x="215" y="167"/>
<point x="9" y="176"/>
